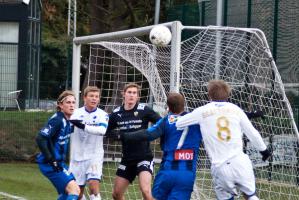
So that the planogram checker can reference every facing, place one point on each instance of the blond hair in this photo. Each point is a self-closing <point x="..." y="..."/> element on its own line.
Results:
<point x="218" y="90"/>
<point x="91" y="89"/>
<point x="62" y="97"/>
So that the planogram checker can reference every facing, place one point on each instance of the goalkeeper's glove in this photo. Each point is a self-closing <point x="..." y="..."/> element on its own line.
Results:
<point x="265" y="154"/>
<point x="56" y="165"/>
<point x="255" y="114"/>
<point x="77" y="123"/>
<point x="115" y="135"/>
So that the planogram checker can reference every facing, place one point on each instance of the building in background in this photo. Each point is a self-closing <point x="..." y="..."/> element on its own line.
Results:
<point x="20" y="37"/>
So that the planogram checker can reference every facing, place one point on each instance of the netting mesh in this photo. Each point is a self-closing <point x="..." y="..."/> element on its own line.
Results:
<point x="238" y="56"/>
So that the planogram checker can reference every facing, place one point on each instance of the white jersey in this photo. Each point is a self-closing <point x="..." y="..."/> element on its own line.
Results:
<point x="222" y="125"/>
<point x="88" y="143"/>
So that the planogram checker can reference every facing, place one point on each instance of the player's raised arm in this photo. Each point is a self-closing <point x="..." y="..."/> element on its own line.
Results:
<point x="189" y="119"/>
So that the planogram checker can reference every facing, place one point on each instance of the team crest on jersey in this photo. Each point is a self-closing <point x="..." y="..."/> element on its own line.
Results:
<point x="45" y="131"/>
<point x="136" y="114"/>
<point x="140" y="107"/>
<point x="116" y="109"/>
<point x="172" y="119"/>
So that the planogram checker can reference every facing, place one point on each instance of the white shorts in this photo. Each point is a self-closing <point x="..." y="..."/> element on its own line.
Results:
<point x="236" y="173"/>
<point x="86" y="170"/>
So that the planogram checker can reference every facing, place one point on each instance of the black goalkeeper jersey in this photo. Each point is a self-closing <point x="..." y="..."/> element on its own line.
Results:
<point x="133" y="120"/>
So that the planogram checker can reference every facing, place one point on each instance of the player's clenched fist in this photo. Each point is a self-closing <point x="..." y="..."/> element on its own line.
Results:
<point x="265" y="154"/>
<point x="77" y="123"/>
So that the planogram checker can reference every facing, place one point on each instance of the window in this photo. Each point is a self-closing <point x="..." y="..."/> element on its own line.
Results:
<point x="9" y="38"/>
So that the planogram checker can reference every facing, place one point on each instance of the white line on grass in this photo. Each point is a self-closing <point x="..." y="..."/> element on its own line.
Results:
<point x="11" y="196"/>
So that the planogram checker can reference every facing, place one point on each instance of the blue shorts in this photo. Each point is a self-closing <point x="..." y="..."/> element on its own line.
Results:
<point x="166" y="187"/>
<point x="58" y="179"/>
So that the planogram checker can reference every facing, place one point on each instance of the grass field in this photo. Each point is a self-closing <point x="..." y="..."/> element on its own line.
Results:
<point x="25" y="180"/>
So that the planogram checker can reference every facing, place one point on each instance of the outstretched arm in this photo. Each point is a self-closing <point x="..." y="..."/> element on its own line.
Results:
<point x="189" y="119"/>
<point x="150" y="134"/>
<point x="99" y="129"/>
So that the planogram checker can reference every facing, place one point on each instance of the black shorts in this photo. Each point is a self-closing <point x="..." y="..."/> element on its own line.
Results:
<point x="130" y="169"/>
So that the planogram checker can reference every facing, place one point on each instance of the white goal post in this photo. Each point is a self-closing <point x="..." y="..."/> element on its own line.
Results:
<point x="240" y="56"/>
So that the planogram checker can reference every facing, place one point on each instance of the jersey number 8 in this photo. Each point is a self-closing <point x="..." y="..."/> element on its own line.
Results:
<point x="222" y="125"/>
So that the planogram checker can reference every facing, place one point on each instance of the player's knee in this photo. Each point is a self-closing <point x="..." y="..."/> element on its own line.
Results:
<point x="117" y="195"/>
<point x="77" y="189"/>
<point x="73" y="188"/>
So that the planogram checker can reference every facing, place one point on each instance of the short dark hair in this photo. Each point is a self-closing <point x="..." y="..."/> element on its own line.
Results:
<point x="175" y="102"/>
<point x="218" y="90"/>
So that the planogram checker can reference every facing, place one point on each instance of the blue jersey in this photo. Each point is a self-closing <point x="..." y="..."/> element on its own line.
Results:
<point x="180" y="152"/>
<point x="58" y="131"/>
<point x="170" y="137"/>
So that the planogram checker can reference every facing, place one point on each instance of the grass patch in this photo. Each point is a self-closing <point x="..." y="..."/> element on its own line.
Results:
<point x="25" y="180"/>
<point x="17" y="133"/>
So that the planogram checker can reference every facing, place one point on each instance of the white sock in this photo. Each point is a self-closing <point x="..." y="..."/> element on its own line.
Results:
<point x="253" y="198"/>
<point x="95" y="197"/>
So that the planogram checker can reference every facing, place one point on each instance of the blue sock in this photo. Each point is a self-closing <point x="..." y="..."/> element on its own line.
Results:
<point x="72" y="197"/>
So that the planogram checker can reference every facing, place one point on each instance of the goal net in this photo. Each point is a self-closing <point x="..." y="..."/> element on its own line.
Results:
<point x="239" y="56"/>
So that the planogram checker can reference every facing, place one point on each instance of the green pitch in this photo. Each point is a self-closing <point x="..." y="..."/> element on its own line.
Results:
<point x="26" y="181"/>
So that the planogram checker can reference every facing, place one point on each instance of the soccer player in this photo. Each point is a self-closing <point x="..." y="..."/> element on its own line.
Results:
<point x="87" y="151"/>
<point x="53" y="140"/>
<point x="180" y="148"/>
<point x="222" y="125"/>
<point x="137" y="159"/>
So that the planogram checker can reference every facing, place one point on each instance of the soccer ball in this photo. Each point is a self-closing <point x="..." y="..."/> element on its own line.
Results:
<point x="160" y="35"/>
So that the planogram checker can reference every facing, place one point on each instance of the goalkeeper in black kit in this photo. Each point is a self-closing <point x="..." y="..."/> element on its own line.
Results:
<point x="137" y="159"/>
